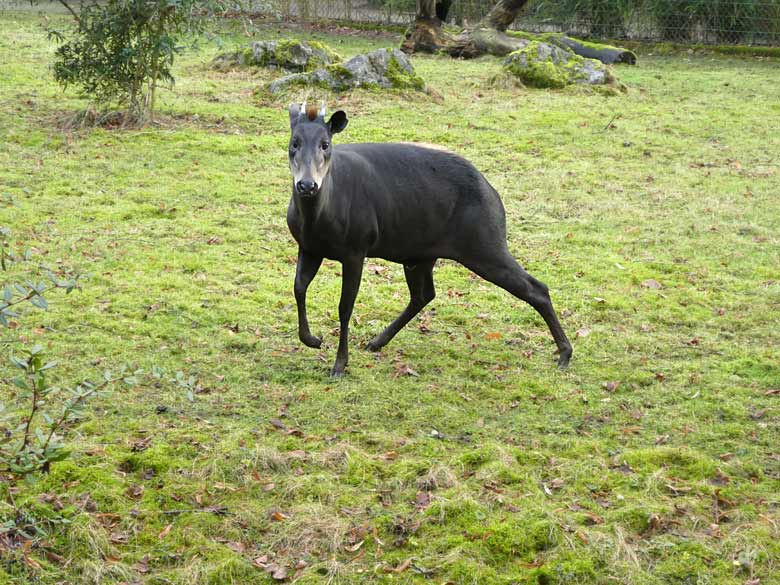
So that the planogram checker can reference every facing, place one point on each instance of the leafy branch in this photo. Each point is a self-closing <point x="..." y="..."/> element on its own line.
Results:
<point x="32" y="292"/>
<point x="28" y="432"/>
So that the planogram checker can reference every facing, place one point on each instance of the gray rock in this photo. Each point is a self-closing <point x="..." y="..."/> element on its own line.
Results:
<point x="544" y="65"/>
<point x="385" y="68"/>
<point x="290" y="55"/>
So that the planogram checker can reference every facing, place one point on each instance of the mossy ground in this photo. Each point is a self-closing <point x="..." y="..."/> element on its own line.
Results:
<point x="652" y="460"/>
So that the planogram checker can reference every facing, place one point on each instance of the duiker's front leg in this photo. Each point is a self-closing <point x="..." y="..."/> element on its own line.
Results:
<point x="352" y="270"/>
<point x="308" y="265"/>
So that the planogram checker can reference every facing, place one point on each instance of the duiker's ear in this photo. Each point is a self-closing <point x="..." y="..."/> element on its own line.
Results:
<point x="338" y="121"/>
<point x="295" y="114"/>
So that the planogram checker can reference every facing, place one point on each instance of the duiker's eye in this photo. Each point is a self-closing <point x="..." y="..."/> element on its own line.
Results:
<point x="325" y="145"/>
<point x="296" y="143"/>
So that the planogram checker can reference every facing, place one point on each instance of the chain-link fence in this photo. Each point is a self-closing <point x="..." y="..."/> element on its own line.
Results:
<point x="749" y="22"/>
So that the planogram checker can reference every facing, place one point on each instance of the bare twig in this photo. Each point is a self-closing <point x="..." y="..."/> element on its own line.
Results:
<point x="73" y="12"/>
<point x="218" y="510"/>
<point x="612" y="119"/>
<point x="33" y="410"/>
<point x="69" y="408"/>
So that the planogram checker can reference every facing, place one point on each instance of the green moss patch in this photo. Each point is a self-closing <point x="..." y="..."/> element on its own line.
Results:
<point x="402" y="78"/>
<point x="544" y="65"/>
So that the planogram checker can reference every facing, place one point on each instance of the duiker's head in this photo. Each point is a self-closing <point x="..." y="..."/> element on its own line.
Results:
<point x="310" y="146"/>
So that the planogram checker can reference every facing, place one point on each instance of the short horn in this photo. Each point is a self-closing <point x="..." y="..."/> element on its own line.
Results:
<point x="303" y="109"/>
<point x="322" y="109"/>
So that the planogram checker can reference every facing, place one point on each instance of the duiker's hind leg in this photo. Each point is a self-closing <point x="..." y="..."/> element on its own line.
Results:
<point x="504" y="271"/>
<point x="419" y="278"/>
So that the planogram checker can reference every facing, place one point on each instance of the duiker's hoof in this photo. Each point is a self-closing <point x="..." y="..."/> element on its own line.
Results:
<point x="563" y="361"/>
<point x="337" y="372"/>
<point x="373" y="345"/>
<point x="311" y="341"/>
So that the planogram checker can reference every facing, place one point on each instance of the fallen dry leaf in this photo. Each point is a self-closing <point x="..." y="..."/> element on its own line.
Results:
<point x="140" y="444"/>
<point x="677" y="489"/>
<point x="278" y="516"/>
<point x="135" y="491"/>
<point x="651" y="283"/>
<point x="31" y="562"/>
<point x="400" y="568"/>
<point x="354" y="547"/>
<point x="591" y="518"/>
<point x="278" y="424"/>
<point x="423" y="500"/>
<point x="404" y="370"/>
<point x="119" y="538"/>
<point x="52" y="499"/>
<point x="277" y="572"/>
<point x="720" y="479"/>
<point x="164" y="532"/>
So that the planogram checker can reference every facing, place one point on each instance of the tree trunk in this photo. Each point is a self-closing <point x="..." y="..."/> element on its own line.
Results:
<point x="490" y="36"/>
<point x="503" y="14"/>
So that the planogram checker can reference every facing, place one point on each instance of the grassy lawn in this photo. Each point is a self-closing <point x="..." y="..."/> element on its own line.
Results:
<point x="460" y="454"/>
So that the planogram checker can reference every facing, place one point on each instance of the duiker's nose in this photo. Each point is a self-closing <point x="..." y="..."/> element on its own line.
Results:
<point x="306" y="187"/>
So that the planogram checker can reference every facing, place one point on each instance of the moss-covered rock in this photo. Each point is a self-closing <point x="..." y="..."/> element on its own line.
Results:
<point x="544" y="65"/>
<point x="385" y="68"/>
<point x="287" y="54"/>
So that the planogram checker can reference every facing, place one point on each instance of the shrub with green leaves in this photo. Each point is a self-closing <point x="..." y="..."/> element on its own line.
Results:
<point x="122" y="50"/>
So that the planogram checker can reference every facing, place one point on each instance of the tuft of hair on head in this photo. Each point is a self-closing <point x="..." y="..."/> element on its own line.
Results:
<point x="311" y="111"/>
